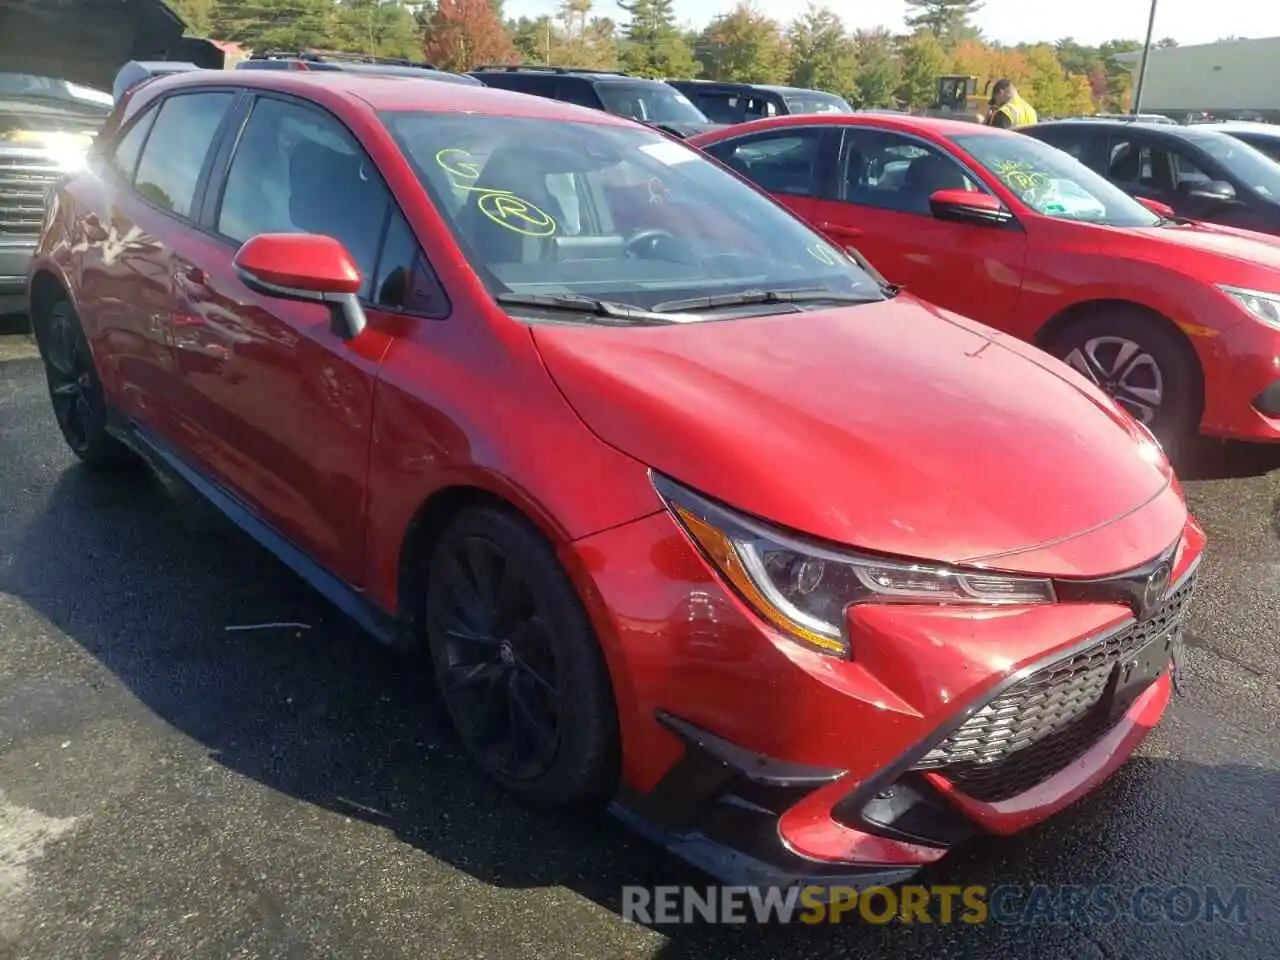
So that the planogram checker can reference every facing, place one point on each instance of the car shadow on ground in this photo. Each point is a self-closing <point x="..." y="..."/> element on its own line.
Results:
<point x="146" y="579"/>
<point x="1209" y="459"/>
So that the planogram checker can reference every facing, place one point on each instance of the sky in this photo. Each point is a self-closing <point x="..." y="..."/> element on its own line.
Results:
<point x="1009" y="21"/>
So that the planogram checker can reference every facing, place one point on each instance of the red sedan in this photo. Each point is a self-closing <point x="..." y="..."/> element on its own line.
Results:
<point x="690" y="512"/>
<point x="1178" y="321"/>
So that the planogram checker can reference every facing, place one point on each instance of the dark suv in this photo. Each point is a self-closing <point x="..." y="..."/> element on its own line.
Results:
<point x="650" y="101"/>
<point x="1196" y="171"/>
<point x="726" y="102"/>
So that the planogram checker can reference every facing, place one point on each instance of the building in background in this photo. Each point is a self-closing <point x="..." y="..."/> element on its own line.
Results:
<point x="1230" y="79"/>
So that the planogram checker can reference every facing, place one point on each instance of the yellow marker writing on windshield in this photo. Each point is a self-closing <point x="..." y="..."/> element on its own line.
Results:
<point x="520" y="216"/>
<point x="457" y="163"/>
<point x="824" y="254"/>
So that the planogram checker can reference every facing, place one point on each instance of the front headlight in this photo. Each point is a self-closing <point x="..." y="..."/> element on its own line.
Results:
<point x="69" y="150"/>
<point x="803" y="587"/>
<point x="1264" y="306"/>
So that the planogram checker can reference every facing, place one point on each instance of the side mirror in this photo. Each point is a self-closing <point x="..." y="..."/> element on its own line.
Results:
<point x="1214" y="191"/>
<point x="1158" y="208"/>
<point x="966" y="206"/>
<point x="306" y="267"/>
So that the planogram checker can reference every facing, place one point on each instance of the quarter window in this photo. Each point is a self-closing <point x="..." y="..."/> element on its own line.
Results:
<point x="175" y="152"/>
<point x="124" y="159"/>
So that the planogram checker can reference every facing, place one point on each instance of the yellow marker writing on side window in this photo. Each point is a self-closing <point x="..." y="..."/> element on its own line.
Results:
<point x="520" y="216"/>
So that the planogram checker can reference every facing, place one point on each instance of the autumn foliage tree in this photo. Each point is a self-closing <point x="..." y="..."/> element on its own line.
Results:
<point x="462" y="34"/>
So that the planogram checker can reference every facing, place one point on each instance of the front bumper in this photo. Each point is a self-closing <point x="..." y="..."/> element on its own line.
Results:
<point x="763" y="763"/>
<point x="1242" y="383"/>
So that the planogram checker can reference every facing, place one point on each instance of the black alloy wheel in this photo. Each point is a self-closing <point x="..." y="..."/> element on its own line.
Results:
<point x="75" y="390"/>
<point x="517" y="663"/>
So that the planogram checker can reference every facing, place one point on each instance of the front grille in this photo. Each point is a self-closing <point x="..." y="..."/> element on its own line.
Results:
<point x="1038" y="726"/>
<point x="25" y="179"/>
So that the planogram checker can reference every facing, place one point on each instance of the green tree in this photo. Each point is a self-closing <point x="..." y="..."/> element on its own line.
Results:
<point x="743" y="45"/>
<point x="821" y="53"/>
<point x="945" y="19"/>
<point x="1119" y="75"/>
<point x="654" y="45"/>
<point x="1048" y="88"/>
<point x="273" y="24"/>
<point x="376" y="27"/>
<point x="877" y="74"/>
<point x="533" y="39"/>
<point x="923" y="60"/>
<point x="198" y="15"/>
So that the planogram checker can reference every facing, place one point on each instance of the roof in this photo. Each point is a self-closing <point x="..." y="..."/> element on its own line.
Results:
<point x="1135" y="57"/>
<point x="905" y="123"/>
<point x="585" y="73"/>
<point x="394" y="93"/>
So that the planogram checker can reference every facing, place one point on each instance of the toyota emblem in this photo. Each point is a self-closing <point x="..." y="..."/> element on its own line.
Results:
<point x="1157" y="587"/>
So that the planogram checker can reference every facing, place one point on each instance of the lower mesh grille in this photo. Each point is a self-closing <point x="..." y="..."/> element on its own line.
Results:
<point x="1038" y="726"/>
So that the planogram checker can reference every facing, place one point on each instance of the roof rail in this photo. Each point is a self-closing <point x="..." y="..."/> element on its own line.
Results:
<point x="540" y="68"/>
<point x="339" y="56"/>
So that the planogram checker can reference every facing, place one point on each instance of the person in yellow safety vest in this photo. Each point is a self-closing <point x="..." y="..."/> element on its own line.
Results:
<point x="1008" y="110"/>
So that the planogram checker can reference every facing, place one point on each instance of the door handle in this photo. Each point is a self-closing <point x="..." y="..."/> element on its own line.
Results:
<point x="840" y="230"/>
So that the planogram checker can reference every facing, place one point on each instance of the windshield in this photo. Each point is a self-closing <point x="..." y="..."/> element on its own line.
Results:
<point x="1054" y="183"/>
<point x="1254" y="168"/>
<point x="613" y="213"/>
<point x="812" y="101"/>
<point x="649" y="102"/>
<point x="29" y="85"/>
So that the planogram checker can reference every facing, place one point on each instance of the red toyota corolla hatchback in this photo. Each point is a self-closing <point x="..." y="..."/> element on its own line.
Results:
<point x="812" y="579"/>
<point x="1178" y="321"/>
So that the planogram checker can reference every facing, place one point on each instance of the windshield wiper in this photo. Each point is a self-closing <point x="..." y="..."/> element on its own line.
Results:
<point x="606" y="309"/>
<point x="748" y="297"/>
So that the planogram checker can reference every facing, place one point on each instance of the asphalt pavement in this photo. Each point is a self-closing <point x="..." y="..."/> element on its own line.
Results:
<point x="172" y="788"/>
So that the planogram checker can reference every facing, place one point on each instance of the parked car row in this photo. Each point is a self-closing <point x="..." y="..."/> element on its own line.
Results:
<point x="808" y="574"/>
<point x="1177" y="320"/>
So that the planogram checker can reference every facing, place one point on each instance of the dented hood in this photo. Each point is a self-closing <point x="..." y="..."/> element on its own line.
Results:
<point x="88" y="41"/>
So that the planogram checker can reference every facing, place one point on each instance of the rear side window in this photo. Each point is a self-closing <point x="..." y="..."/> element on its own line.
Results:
<point x="176" y="150"/>
<point x="784" y="162"/>
<point x="124" y="158"/>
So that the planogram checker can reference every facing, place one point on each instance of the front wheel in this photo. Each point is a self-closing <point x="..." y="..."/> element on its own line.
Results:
<point x="518" y="664"/>
<point x="1138" y="362"/>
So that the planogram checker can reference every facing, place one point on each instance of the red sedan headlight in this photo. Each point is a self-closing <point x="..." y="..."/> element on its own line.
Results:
<point x="803" y="587"/>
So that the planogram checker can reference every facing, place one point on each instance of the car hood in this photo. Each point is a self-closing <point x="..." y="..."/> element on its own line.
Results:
<point x="1255" y="249"/>
<point x="87" y="41"/>
<point x="892" y="427"/>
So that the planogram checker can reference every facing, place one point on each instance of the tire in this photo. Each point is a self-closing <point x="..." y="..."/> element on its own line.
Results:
<point x="505" y="628"/>
<point x="79" y="404"/>
<point x="1139" y="361"/>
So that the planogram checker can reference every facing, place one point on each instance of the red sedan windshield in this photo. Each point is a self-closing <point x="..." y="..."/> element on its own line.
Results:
<point x="623" y="214"/>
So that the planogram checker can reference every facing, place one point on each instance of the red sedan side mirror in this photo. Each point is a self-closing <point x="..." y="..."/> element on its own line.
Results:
<point x="307" y="267"/>
<point x="968" y="206"/>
